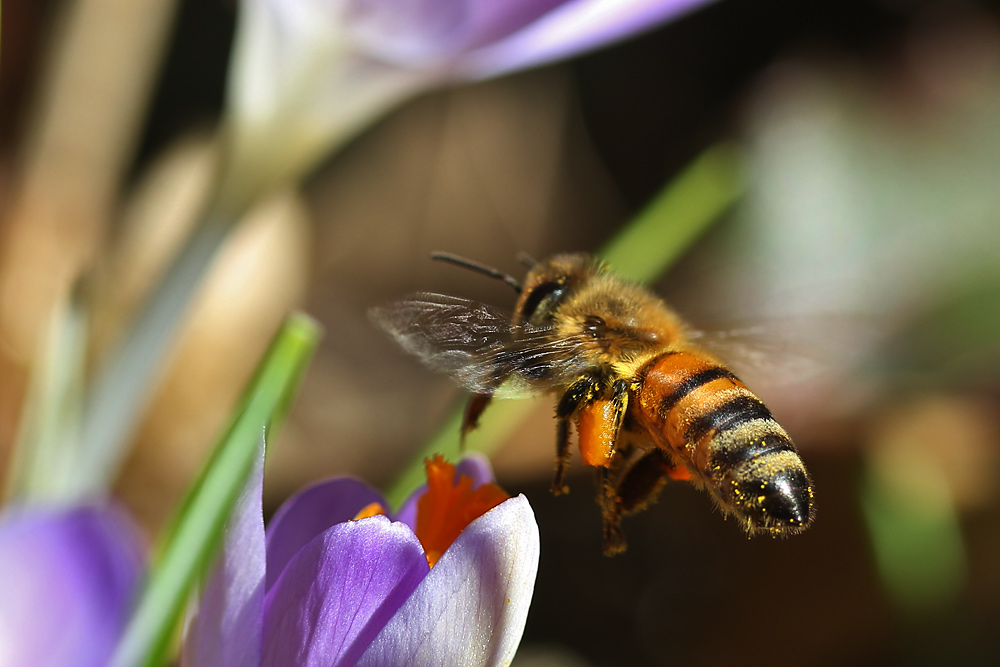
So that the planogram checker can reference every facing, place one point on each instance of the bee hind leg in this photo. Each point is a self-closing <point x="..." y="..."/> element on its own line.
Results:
<point x="630" y="489"/>
<point x="611" y="511"/>
<point x="640" y="484"/>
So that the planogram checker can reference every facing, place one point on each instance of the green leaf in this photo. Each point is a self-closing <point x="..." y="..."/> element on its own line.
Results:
<point x="642" y="251"/>
<point x="197" y="529"/>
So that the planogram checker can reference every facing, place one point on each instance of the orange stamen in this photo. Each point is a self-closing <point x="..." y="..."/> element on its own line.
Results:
<point x="449" y="505"/>
<point x="371" y="509"/>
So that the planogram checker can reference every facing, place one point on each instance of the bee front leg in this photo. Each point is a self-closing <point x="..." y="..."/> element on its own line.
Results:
<point x="579" y="393"/>
<point x="473" y="410"/>
<point x="630" y="488"/>
<point x="562" y="456"/>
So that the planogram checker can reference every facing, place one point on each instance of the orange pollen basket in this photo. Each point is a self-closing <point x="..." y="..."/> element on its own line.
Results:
<point x="448" y="506"/>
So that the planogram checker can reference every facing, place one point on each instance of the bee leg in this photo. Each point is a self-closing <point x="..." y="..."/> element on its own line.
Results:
<point x="611" y="511"/>
<point x="562" y="456"/>
<point x="579" y="393"/>
<point x="630" y="490"/>
<point x="619" y="404"/>
<point x="473" y="410"/>
<point x="640" y="484"/>
<point x="599" y="423"/>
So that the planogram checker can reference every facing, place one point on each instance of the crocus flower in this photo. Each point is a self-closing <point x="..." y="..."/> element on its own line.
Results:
<point x="336" y="582"/>
<point x="67" y="582"/>
<point x="306" y="74"/>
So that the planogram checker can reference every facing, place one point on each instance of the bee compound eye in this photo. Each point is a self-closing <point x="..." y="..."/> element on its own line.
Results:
<point x="595" y="326"/>
<point x="540" y="301"/>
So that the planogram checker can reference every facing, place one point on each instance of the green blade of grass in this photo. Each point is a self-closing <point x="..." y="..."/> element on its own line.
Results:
<point x="197" y="529"/>
<point x="657" y="237"/>
<point x="642" y="251"/>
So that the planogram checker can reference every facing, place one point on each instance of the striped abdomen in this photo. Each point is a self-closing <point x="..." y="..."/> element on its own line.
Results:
<point x="707" y="420"/>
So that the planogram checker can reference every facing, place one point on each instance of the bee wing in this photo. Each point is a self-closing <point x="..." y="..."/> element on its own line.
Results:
<point x="786" y="351"/>
<point x="477" y="344"/>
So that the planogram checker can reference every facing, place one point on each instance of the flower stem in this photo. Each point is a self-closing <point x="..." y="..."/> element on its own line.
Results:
<point x="124" y="384"/>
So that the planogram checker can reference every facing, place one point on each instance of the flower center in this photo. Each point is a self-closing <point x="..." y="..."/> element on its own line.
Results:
<point x="449" y="505"/>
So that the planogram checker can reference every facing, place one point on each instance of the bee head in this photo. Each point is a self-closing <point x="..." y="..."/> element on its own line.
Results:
<point x="549" y="283"/>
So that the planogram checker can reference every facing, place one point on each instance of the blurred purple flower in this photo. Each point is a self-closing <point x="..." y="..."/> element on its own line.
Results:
<point x="325" y="589"/>
<point x="474" y="39"/>
<point x="307" y="74"/>
<point x="67" y="583"/>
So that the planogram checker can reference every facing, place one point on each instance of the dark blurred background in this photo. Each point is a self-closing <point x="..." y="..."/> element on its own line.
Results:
<point x="868" y="240"/>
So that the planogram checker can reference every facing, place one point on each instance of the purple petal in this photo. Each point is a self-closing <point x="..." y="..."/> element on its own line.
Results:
<point x="476" y="466"/>
<point x="337" y="593"/>
<point x="575" y="27"/>
<point x="471" y="608"/>
<point x="67" y="582"/>
<point x="310" y="512"/>
<point x="473" y="465"/>
<point x="426" y="32"/>
<point x="227" y="629"/>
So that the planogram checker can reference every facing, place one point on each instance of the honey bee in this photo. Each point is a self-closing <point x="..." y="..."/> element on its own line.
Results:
<point x="648" y="404"/>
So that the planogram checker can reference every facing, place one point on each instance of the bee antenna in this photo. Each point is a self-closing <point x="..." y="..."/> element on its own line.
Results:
<point x="477" y="267"/>
<point x="526" y="260"/>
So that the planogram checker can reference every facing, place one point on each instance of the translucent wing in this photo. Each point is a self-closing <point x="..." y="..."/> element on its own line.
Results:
<point x="786" y="351"/>
<point x="478" y="345"/>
